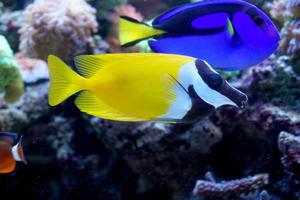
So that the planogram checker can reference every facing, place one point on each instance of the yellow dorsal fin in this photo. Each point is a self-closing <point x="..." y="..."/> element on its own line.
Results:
<point x="133" y="31"/>
<point x="89" y="103"/>
<point x="89" y="65"/>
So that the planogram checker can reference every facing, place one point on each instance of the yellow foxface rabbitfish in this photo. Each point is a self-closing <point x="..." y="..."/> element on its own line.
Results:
<point x="11" y="151"/>
<point x="142" y="87"/>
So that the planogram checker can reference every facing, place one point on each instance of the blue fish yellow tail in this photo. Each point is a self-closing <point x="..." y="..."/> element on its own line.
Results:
<point x="63" y="81"/>
<point x="133" y="31"/>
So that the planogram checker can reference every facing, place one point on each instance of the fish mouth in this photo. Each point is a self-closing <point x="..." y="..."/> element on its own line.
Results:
<point x="236" y="96"/>
<point x="242" y="103"/>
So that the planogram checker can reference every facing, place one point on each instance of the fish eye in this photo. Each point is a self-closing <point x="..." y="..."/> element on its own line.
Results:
<point x="258" y="20"/>
<point x="214" y="81"/>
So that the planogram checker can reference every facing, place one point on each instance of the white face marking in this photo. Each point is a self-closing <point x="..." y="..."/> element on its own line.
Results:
<point x="188" y="75"/>
<point x="210" y="96"/>
<point x="207" y="94"/>
<point x="15" y="153"/>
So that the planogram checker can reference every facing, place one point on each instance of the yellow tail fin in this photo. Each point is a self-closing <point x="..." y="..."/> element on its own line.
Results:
<point x="133" y="31"/>
<point x="63" y="81"/>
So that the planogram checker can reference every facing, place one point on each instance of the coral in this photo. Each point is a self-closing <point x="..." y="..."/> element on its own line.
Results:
<point x="278" y="10"/>
<point x="97" y="45"/>
<point x="104" y="8"/>
<point x="294" y="7"/>
<point x="30" y="107"/>
<point x="61" y="137"/>
<point x="274" y="80"/>
<point x="153" y="8"/>
<point x="12" y="120"/>
<point x="230" y="189"/>
<point x="125" y="10"/>
<point x="57" y="27"/>
<point x="14" y="90"/>
<point x="290" y="43"/>
<point x="9" y="70"/>
<point x="289" y="145"/>
<point x="113" y="34"/>
<point x="10" y="78"/>
<point x="32" y="70"/>
<point x="290" y="33"/>
<point x="34" y="103"/>
<point x="10" y="23"/>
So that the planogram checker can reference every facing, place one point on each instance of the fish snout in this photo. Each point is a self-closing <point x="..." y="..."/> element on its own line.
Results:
<point x="242" y="100"/>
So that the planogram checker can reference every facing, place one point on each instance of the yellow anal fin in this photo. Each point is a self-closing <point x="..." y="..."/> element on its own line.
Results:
<point x="89" y="103"/>
<point x="133" y="31"/>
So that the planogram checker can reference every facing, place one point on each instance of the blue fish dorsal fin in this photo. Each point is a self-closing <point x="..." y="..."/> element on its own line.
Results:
<point x="211" y="21"/>
<point x="177" y="10"/>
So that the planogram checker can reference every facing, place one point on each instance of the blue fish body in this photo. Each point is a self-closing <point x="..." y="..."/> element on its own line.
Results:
<point x="228" y="34"/>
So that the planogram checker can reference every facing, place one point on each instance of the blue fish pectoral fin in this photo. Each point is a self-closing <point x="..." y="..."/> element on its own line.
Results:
<point x="89" y="103"/>
<point x="132" y="31"/>
<point x="230" y="27"/>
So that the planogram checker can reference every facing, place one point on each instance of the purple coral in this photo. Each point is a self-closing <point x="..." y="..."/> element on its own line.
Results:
<point x="278" y="10"/>
<point x="60" y="27"/>
<point x="289" y="145"/>
<point x="230" y="188"/>
<point x="294" y="7"/>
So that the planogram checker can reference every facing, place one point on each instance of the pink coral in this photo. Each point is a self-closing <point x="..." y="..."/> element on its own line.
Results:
<point x="60" y="27"/>
<point x="32" y="70"/>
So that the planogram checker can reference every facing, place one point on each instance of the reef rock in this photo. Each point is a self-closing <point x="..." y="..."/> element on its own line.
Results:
<point x="161" y="152"/>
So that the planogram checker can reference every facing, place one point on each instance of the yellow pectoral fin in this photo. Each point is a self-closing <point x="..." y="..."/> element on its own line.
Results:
<point x="89" y="103"/>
